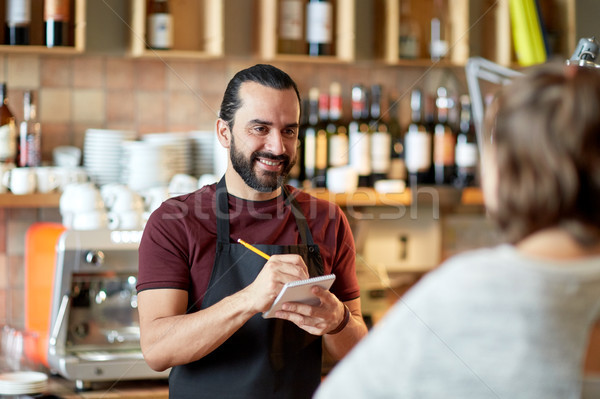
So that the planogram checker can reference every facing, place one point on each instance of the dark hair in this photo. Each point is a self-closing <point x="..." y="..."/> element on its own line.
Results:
<point x="546" y="139"/>
<point x="266" y="75"/>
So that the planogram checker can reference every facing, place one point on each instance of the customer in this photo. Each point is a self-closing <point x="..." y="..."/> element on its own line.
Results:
<point x="511" y="321"/>
<point x="201" y="294"/>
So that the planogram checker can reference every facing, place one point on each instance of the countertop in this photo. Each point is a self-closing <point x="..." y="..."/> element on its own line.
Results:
<point x="146" y="389"/>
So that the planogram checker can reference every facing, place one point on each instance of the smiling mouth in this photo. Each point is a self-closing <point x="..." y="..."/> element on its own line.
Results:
<point x="269" y="162"/>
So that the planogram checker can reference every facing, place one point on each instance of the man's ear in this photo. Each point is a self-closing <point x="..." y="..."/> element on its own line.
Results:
<point x="223" y="133"/>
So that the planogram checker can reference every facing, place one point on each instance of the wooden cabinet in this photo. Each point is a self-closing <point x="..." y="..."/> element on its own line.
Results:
<point x="474" y="28"/>
<point x="197" y="29"/>
<point x="76" y="31"/>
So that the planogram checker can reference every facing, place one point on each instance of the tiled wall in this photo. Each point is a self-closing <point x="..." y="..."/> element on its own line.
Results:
<point x="147" y="95"/>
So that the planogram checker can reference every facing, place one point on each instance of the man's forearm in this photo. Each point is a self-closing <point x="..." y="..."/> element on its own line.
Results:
<point x="339" y="344"/>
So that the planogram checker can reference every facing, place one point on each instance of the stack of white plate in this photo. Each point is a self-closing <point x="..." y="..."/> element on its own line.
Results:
<point x="102" y="153"/>
<point x="204" y="152"/>
<point x="22" y="383"/>
<point x="146" y="164"/>
<point x="181" y="143"/>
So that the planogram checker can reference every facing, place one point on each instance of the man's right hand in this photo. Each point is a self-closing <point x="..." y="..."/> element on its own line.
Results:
<point x="278" y="271"/>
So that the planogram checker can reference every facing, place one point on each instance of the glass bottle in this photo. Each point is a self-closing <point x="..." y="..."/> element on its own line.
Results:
<point x="409" y="40"/>
<point x="18" y="22"/>
<point x="30" y="134"/>
<point x="310" y="137"/>
<point x="56" y="22"/>
<point x="438" y="45"/>
<point x="319" y="27"/>
<point x="336" y="128"/>
<point x="8" y="129"/>
<point x="321" y="151"/>
<point x="418" y="144"/>
<point x="444" y="141"/>
<point x="160" y="25"/>
<point x="381" y="140"/>
<point x="290" y="39"/>
<point x="358" y="131"/>
<point x="397" y="166"/>
<point x="467" y="152"/>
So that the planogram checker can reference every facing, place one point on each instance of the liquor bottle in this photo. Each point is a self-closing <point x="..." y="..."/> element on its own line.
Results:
<point x="321" y="141"/>
<point x="444" y="140"/>
<point x="56" y="22"/>
<point x="466" y="147"/>
<point x="30" y="150"/>
<point x="310" y="137"/>
<point x="358" y="131"/>
<point x="418" y="144"/>
<point x="18" y="21"/>
<point x="438" y="46"/>
<point x="336" y="128"/>
<point x="160" y="25"/>
<point x="319" y="27"/>
<point x="381" y="140"/>
<point x="409" y="40"/>
<point x="296" y="175"/>
<point x="8" y="129"/>
<point x="397" y="166"/>
<point x="291" y="27"/>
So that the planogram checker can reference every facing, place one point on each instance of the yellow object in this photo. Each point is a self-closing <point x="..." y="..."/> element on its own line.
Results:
<point x="527" y="32"/>
<point x="254" y="249"/>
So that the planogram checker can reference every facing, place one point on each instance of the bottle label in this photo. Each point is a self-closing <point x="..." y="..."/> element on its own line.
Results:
<point x="290" y="20"/>
<point x="417" y="151"/>
<point x="310" y="144"/>
<point x="319" y="17"/>
<point x="321" y="150"/>
<point x="466" y="154"/>
<point x="18" y="12"/>
<point x="7" y="142"/>
<point x="360" y="152"/>
<point x="381" y="152"/>
<point x="160" y="31"/>
<point x="338" y="150"/>
<point x="444" y="147"/>
<point x="56" y="10"/>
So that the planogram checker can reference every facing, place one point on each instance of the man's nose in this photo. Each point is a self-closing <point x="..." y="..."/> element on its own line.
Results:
<point x="275" y="144"/>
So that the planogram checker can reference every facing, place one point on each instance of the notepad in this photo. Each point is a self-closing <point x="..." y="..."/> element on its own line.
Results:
<point x="299" y="291"/>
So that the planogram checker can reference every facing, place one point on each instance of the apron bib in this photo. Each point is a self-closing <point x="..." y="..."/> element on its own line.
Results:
<point x="265" y="358"/>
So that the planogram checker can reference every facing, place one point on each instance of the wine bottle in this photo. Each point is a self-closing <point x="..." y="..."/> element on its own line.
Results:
<point x="418" y="144"/>
<point x="381" y="140"/>
<point x="291" y="27"/>
<point x="466" y="147"/>
<point x="321" y="151"/>
<point x="319" y="27"/>
<point x="56" y="22"/>
<point x="444" y="141"/>
<point x="30" y="134"/>
<point x="358" y="131"/>
<point x="438" y="47"/>
<point x="310" y="137"/>
<point x="336" y="128"/>
<point x="409" y="40"/>
<point x="160" y="25"/>
<point x="8" y="129"/>
<point x="296" y="175"/>
<point x="397" y="166"/>
<point x="18" y="21"/>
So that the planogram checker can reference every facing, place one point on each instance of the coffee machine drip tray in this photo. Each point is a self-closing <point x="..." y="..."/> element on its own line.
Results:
<point x="94" y="327"/>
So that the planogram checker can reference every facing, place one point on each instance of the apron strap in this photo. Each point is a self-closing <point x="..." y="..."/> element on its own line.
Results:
<point x="223" y="214"/>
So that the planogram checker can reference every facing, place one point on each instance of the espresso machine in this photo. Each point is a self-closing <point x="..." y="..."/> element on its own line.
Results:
<point x="93" y="331"/>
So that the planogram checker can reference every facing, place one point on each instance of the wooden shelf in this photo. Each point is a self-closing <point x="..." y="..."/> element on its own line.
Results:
<point x="197" y="30"/>
<point x="30" y="201"/>
<point x="361" y="197"/>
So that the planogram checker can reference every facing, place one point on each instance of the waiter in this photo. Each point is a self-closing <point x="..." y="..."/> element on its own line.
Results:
<point x="201" y="295"/>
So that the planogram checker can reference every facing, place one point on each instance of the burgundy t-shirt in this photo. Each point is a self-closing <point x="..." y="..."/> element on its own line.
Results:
<point x="178" y="245"/>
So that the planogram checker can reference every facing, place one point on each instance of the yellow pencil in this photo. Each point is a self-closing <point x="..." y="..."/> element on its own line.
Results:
<point x="253" y="249"/>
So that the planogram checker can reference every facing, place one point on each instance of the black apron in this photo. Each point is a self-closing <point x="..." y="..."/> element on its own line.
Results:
<point x="265" y="358"/>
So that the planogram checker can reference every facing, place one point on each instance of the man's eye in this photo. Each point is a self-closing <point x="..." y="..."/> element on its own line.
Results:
<point x="290" y="132"/>
<point x="261" y="129"/>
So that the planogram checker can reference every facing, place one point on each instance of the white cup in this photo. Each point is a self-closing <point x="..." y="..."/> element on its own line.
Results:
<point x="4" y="170"/>
<point x="120" y="198"/>
<point x="20" y="181"/>
<point x="91" y="220"/>
<point x="69" y="175"/>
<point x="154" y="197"/>
<point x="47" y="179"/>
<point x="67" y="156"/>
<point x="127" y="220"/>
<point x="182" y="184"/>
<point x="80" y="198"/>
<point x="342" y="179"/>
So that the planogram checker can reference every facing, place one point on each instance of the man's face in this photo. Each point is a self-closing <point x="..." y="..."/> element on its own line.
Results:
<point x="265" y="136"/>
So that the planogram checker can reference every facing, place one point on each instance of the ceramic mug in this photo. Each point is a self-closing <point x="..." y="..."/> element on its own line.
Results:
<point x="47" y="180"/>
<point x="20" y="181"/>
<point x="91" y="220"/>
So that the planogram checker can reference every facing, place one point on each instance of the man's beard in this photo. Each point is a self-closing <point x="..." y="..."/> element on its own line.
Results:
<point x="270" y="181"/>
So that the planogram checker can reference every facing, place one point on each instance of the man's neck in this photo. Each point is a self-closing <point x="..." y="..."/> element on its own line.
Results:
<point x="555" y="244"/>
<point x="237" y="187"/>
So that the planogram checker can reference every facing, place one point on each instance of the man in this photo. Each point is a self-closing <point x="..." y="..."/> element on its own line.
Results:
<point x="201" y="295"/>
